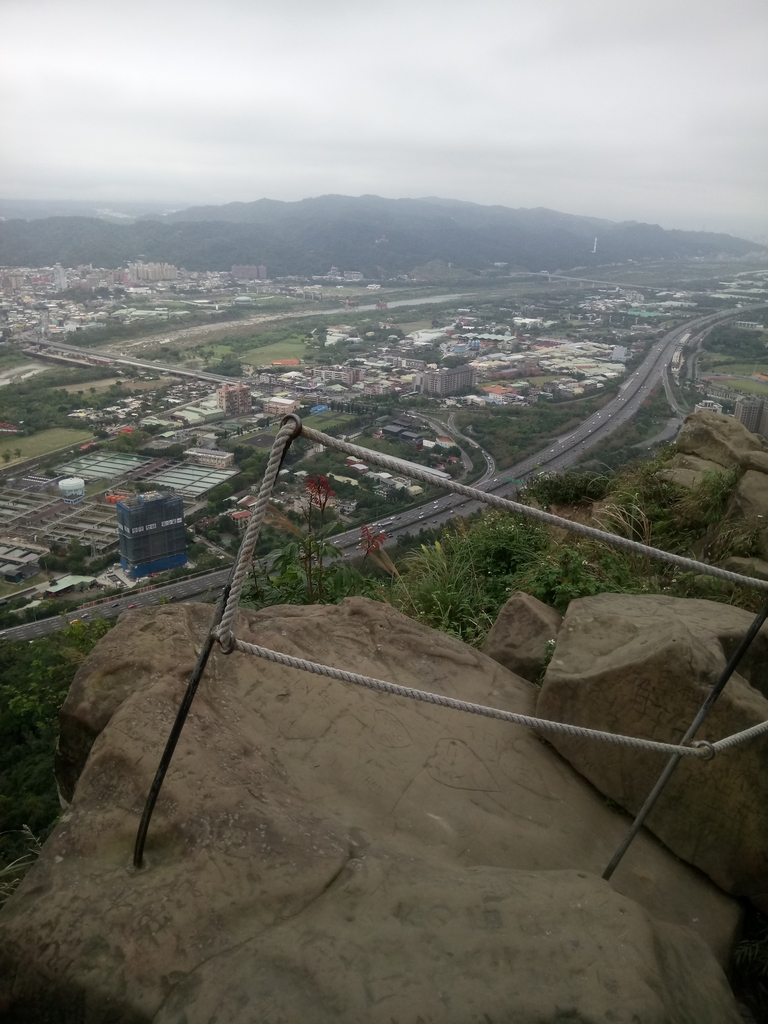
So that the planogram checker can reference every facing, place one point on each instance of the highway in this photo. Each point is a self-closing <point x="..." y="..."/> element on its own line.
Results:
<point x="180" y="591"/>
<point x="560" y="454"/>
<point x="451" y="430"/>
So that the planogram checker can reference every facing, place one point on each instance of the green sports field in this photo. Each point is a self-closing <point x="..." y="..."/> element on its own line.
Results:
<point x="751" y="387"/>
<point x="290" y="348"/>
<point x="41" y="443"/>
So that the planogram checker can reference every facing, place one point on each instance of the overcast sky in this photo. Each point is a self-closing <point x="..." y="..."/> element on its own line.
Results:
<point x="652" y="111"/>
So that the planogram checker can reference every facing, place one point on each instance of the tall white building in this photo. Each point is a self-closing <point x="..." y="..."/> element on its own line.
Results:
<point x="59" y="278"/>
<point x="749" y="411"/>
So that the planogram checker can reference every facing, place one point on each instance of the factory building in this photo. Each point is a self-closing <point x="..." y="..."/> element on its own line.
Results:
<point x="152" y="534"/>
<point x="277" y="406"/>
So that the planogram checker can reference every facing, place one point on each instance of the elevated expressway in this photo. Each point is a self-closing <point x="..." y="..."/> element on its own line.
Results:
<point x="560" y="454"/>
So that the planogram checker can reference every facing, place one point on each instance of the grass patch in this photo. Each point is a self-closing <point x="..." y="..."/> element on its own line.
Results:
<point x="327" y="421"/>
<point x="12" y="589"/>
<point x="218" y="351"/>
<point x="741" y="369"/>
<point x="10" y="359"/>
<point x="291" y="348"/>
<point x="752" y="387"/>
<point x="41" y="443"/>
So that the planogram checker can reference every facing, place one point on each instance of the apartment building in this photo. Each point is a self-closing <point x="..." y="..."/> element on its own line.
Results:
<point x="445" y="381"/>
<point x="234" y="399"/>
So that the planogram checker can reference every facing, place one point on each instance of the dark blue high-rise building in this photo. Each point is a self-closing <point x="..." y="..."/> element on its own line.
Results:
<point x="152" y="533"/>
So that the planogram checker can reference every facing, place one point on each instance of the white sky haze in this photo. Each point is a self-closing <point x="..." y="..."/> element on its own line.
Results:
<point x="655" y="111"/>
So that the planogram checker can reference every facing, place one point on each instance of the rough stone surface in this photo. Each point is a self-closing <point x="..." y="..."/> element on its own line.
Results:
<point x="642" y="665"/>
<point x="323" y="853"/>
<point x="717" y="438"/>
<point x="755" y="460"/>
<point x="115" y="670"/>
<point x="519" y="636"/>
<point x="748" y="507"/>
<point x="688" y="470"/>
<point x="682" y="477"/>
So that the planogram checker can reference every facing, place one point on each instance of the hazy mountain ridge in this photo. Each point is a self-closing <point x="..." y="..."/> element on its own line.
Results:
<point x="380" y="237"/>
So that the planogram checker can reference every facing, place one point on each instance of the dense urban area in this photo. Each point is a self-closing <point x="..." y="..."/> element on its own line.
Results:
<point x="121" y="385"/>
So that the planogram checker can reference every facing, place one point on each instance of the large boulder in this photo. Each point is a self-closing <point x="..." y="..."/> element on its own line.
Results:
<point x="748" y="509"/>
<point x="717" y="438"/>
<point x="519" y="637"/>
<point x="115" y="670"/>
<point x="755" y="460"/>
<point x="321" y="852"/>
<point x="688" y="470"/>
<point x="642" y="666"/>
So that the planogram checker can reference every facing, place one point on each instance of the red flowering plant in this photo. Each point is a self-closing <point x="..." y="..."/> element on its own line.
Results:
<point x="372" y="543"/>
<point x="309" y="569"/>
<point x="320" y="492"/>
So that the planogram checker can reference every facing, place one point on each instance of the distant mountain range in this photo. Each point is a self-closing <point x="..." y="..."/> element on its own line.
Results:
<point x="380" y="237"/>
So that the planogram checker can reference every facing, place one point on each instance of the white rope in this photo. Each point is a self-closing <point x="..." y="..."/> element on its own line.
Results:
<point x="244" y="555"/>
<point x="740" y="737"/>
<point x="290" y="428"/>
<point x="400" y="466"/>
<point x="544" y="724"/>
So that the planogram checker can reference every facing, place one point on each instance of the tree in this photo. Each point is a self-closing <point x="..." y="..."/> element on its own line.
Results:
<point x="33" y="684"/>
<point x="6" y="456"/>
<point x="17" y="453"/>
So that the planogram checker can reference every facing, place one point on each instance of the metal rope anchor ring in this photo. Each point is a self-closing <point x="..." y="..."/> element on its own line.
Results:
<point x="297" y="425"/>
<point x="708" y="751"/>
<point x="227" y="644"/>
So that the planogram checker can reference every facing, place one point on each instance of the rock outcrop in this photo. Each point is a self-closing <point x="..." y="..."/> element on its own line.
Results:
<point x="711" y="443"/>
<point x="688" y="470"/>
<point x="642" y="666"/>
<point x="321" y="853"/>
<point x="719" y="439"/>
<point x="518" y="638"/>
<point x="748" y="508"/>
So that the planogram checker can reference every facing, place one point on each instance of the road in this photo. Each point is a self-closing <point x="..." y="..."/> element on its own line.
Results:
<point x="180" y="591"/>
<point x="451" y="430"/>
<point x="672" y="401"/>
<point x="74" y="352"/>
<point x="560" y="454"/>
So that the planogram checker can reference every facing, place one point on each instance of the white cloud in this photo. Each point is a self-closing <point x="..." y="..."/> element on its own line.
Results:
<point x="656" y="111"/>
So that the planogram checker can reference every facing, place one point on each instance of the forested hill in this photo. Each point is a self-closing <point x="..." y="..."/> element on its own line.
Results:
<point x="380" y="237"/>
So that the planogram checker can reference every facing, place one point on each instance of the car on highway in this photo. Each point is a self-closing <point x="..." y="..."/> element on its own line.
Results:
<point x="134" y="605"/>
